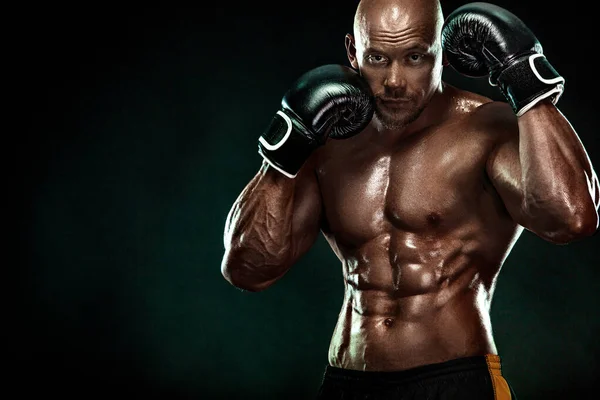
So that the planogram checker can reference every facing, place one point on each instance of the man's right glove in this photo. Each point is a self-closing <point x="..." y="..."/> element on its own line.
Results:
<point x="328" y="101"/>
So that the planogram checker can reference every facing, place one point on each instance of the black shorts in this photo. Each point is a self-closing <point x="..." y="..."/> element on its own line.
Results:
<point x="477" y="378"/>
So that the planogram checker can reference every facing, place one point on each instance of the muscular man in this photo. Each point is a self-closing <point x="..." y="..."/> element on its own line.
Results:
<point x="420" y="188"/>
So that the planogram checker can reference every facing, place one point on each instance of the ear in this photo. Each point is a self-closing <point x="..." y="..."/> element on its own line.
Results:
<point x="351" y="51"/>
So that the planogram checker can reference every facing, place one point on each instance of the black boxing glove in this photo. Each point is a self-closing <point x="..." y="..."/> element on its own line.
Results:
<point x="328" y="101"/>
<point x="483" y="39"/>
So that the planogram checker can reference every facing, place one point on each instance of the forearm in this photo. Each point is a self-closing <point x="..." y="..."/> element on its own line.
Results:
<point x="258" y="230"/>
<point x="560" y="187"/>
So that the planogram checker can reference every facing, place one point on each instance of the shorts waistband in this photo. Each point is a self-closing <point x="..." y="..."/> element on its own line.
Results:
<point x="489" y="362"/>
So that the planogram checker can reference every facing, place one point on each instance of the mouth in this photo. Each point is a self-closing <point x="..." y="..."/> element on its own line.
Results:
<point x="394" y="103"/>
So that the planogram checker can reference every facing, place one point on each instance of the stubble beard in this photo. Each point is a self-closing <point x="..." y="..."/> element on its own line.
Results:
<point x="391" y="120"/>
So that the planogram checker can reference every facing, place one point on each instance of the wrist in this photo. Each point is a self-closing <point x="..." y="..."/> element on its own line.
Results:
<point x="540" y="109"/>
<point x="528" y="80"/>
<point x="286" y="144"/>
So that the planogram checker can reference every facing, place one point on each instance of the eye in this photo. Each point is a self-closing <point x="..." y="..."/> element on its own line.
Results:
<point x="415" y="57"/>
<point x="375" y="58"/>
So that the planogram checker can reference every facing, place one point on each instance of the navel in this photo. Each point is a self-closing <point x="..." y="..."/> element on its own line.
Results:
<point x="434" y="219"/>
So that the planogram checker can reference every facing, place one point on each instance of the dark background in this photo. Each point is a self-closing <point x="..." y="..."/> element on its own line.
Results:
<point x="140" y="130"/>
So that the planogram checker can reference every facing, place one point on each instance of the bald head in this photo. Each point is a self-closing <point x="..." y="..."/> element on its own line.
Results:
<point x="396" y="46"/>
<point x="392" y="16"/>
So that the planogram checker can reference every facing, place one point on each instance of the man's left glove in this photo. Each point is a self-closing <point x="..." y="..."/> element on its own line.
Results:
<point x="483" y="39"/>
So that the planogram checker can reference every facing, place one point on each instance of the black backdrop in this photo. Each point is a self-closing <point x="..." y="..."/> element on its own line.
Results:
<point x="139" y="131"/>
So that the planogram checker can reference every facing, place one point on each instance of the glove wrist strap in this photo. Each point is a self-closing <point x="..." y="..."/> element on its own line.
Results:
<point x="286" y="144"/>
<point x="529" y="80"/>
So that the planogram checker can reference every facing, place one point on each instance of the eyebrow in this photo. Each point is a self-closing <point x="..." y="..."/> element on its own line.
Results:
<point x="412" y="46"/>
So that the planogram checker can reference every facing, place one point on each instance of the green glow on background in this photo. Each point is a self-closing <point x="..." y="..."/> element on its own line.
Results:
<point x="145" y="129"/>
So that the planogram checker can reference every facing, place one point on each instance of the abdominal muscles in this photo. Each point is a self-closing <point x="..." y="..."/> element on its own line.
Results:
<point x="413" y="300"/>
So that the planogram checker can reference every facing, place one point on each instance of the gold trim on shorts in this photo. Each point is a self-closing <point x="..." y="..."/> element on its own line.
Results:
<point x="501" y="389"/>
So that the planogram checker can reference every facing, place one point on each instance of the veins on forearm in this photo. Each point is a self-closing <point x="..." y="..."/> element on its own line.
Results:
<point x="260" y="228"/>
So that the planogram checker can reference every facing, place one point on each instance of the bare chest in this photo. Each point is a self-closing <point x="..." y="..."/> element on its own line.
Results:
<point x="424" y="185"/>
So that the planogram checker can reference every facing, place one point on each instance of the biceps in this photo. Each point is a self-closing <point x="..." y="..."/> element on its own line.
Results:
<point x="504" y="170"/>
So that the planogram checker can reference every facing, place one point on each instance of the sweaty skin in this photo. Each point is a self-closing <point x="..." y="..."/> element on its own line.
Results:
<point x="421" y="235"/>
<point x="422" y="207"/>
<point x="408" y="211"/>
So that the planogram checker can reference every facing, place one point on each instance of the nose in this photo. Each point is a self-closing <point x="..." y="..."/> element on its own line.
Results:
<point x="395" y="80"/>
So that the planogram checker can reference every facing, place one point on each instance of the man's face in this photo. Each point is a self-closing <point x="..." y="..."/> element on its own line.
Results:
<point x="397" y="49"/>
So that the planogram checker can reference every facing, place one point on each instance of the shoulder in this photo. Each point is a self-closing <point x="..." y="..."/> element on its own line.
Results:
<point x="495" y="115"/>
<point x="470" y="104"/>
<point x="483" y="116"/>
<point x="494" y="126"/>
<point x="463" y="102"/>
